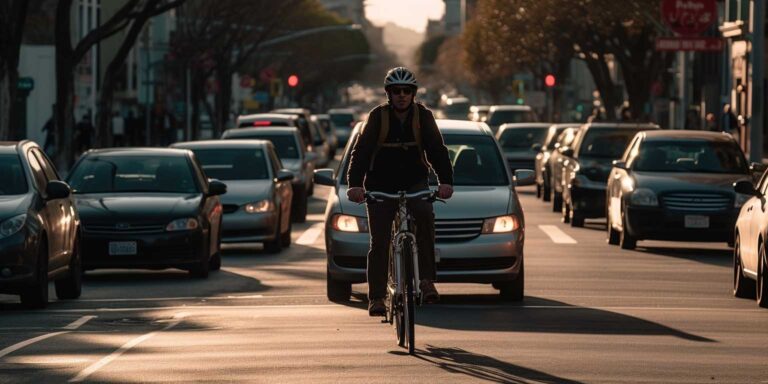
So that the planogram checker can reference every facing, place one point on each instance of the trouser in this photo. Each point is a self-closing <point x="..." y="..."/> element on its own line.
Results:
<point x="380" y="218"/>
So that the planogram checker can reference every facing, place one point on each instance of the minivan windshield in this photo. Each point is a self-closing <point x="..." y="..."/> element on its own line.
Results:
<point x="699" y="156"/>
<point x="606" y="142"/>
<point x="131" y="174"/>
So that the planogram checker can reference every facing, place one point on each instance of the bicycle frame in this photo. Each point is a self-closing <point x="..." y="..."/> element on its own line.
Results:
<point x="401" y="233"/>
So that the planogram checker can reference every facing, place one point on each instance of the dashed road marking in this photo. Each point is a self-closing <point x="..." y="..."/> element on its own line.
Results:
<point x="71" y="327"/>
<point x="557" y="235"/>
<point x="310" y="235"/>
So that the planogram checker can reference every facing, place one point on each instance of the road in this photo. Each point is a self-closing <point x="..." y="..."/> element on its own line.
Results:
<point x="592" y="314"/>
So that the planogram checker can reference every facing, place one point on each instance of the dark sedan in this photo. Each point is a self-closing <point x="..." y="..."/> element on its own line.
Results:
<point x="39" y="227"/>
<point x="676" y="185"/>
<point x="542" y="165"/>
<point x="520" y="143"/>
<point x="148" y="208"/>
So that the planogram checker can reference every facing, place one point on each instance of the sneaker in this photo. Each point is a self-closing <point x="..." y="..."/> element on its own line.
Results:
<point x="428" y="292"/>
<point x="376" y="307"/>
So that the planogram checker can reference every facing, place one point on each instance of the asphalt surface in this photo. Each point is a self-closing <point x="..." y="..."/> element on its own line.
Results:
<point x="592" y="314"/>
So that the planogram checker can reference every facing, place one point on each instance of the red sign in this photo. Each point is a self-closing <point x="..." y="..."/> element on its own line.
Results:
<point x="707" y="44"/>
<point x="267" y="74"/>
<point x="689" y="17"/>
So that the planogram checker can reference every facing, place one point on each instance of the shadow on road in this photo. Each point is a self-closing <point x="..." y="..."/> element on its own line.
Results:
<point x="472" y="312"/>
<point x="483" y="367"/>
<point x="718" y="257"/>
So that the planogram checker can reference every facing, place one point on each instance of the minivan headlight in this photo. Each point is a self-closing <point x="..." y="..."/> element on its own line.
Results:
<point x="12" y="225"/>
<point x="501" y="224"/>
<point x="644" y="197"/>
<point x="186" y="224"/>
<point x="259" y="206"/>
<point x="347" y="223"/>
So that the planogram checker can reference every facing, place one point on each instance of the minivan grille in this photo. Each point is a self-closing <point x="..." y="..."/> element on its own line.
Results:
<point x="447" y="231"/>
<point x="696" y="201"/>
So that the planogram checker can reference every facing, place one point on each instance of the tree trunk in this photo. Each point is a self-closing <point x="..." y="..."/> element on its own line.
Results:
<point x="222" y="100"/>
<point x="7" y="98"/>
<point x="602" y="78"/>
<point x="13" y="16"/>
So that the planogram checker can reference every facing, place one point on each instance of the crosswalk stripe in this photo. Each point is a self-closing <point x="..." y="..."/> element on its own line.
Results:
<point x="557" y="235"/>
<point x="310" y="235"/>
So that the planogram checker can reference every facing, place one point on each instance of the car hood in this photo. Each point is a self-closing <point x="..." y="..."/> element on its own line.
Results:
<point x="291" y="164"/>
<point x="466" y="203"/>
<point x="14" y="205"/>
<point x="246" y="191"/>
<point x="661" y="182"/>
<point x="136" y="208"/>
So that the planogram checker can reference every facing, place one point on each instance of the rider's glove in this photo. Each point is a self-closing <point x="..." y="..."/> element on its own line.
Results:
<point x="356" y="194"/>
<point x="444" y="191"/>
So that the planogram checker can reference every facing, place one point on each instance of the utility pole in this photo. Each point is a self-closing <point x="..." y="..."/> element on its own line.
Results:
<point x="756" y="122"/>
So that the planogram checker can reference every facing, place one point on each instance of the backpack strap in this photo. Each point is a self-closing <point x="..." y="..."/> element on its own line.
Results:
<point x="383" y="132"/>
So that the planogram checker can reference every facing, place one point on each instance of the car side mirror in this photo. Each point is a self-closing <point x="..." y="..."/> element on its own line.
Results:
<point x="324" y="176"/>
<point x="746" y="188"/>
<point x="216" y="187"/>
<point x="284" y="175"/>
<point x="57" y="190"/>
<point x="567" y="151"/>
<point x="524" y="177"/>
<point x="536" y="147"/>
<point x="620" y="164"/>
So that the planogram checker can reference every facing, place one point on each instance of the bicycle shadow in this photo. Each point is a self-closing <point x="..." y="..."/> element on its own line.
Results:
<point x="483" y="367"/>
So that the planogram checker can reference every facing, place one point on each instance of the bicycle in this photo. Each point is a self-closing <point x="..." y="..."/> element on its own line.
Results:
<point x="403" y="291"/>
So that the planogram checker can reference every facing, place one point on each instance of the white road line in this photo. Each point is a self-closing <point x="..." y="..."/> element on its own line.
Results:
<point x="71" y="327"/>
<point x="310" y="235"/>
<point x="557" y="235"/>
<point x="173" y="298"/>
<point x="93" y="368"/>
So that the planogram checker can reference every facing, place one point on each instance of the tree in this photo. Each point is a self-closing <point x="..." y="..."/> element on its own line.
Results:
<point x="13" y="14"/>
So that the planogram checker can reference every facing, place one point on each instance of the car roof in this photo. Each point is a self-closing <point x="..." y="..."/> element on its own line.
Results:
<point x="321" y="116"/>
<point x="479" y="108"/>
<point x="621" y="125"/>
<point x="686" y="135"/>
<point x="288" y="131"/>
<point x="341" y="111"/>
<point x="267" y="116"/>
<point x="510" y="107"/>
<point x="139" y="151"/>
<point x="242" y="143"/>
<point x="291" y="110"/>
<point x="524" y="125"/>
<point x="455" y="100"/>
<point x="463" y="127"/>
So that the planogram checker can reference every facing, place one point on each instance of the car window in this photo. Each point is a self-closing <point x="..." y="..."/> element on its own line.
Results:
<point x="48" y="169"/>
<point x="701" y="156"/>
<point x="285" y="145"/>
<point x="12" y="175"/>
<point x="233" y="163"/>
<point x="130" y="174"/>
<point x="37" y="172"/>
<point x="605" y="143"/>
<point x="502" y="117"/>
<point x="521" y="138"/>
<point x="342" y="120"/>
<point x="277" y="165"/>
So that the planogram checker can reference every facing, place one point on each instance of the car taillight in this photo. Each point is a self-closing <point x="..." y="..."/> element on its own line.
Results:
<point x="262" y="123"/>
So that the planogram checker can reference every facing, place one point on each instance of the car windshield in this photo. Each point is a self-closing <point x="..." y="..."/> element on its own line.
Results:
<point x="234" y="163"/>
<point x="12" y="174"/>
<point x="606" y="143"/>
<point x="522" y="138"/>
<point x="690" y="156"/>
<point x="130" y="174"/>
<point x="285" y="145"/>
<point x="457" y="108"/>
<point x="342" y="120"/>
<point x="502" y="117"/>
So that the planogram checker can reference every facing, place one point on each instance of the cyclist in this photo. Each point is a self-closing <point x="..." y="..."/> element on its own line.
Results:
<point x="398" y="159"/>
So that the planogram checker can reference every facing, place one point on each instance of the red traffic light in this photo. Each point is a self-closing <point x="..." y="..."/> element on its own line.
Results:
<point x="293" y="80"/>
<point x="549" y="80"/>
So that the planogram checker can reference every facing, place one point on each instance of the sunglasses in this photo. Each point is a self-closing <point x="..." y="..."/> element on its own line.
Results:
<point x="401" y="91"/>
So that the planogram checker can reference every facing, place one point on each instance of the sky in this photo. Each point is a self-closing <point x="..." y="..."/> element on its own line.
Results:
<point x="411" y="14"/>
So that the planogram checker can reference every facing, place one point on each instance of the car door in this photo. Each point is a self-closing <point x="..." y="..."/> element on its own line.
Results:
<point x="283" y="189"/>
<point x="66" y="209"/>
<point x="51" y="212"/>
<point x="756" y="211"/>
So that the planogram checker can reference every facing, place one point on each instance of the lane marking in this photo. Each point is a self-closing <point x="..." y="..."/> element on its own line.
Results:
<point x="557" y="235"/>
<point x="310" y="235"/>
<point x="71" y="327"/>
<point x="174" y="298"/>
<point x="93" y="368"/>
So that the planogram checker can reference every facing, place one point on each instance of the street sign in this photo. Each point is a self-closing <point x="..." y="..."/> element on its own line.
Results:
<point x="700" y="44"/>
<point x="25" y="84"/>
<point x="261" y="96"/>
<point x="689" y="17"/>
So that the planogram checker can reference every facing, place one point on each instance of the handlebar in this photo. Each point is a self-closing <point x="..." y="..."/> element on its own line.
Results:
<point x="427" y="195"/>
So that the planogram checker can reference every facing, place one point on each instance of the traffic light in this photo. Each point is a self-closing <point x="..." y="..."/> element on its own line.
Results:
<point x="549" y="80"/>
<point x="293" y="81"/>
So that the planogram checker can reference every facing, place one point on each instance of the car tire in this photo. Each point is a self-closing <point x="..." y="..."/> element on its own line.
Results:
<point x="299" y="209"/>
<point x="557" y="202"/>
<point x="71" y="287"/>
<point x="566" y="212"/>
<point x="215" y="263"/>
<point x="337" y="291"/>
<point x="275" y="245"/>
<point x="538" y="190"/>
<point x="762" y="277"/>
<point x="742" y="286"/>
<point x="202" y="268"/>
<point x="626" y="240"/>
<point x="613" y="235"/>
<point x="513" y="290"/>
<point x="35" y="296"/>
<point x="285" y="238"/>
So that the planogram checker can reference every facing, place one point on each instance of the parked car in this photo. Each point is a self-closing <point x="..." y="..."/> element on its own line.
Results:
<point x="587" y="165"/>
<point x="454" y="108"/>
<point x="311" y="134"/>
<point x="257" y="206"/>
<point x="479" y="113"/>
<point x="148" y="208"/>
<point x="521" y="142"/>
<point x="40" y="237"/>
<point x="293" y="155"/>
<point x="750" y="263"/>
<point x="479" y="232"/>
<point x="344" y="120"/>
<point x="502" y="114"/>
<point x="541" y="164"/>
<point x="329" y="129"/>
<point x="676" y="185"/>
<point x="555" y="163"/>
<point x="267" y="120"/>
<point x="322" y="147"/>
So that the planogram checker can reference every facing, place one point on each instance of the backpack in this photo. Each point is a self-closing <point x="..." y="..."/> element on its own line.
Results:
<point x="384" y="131"/>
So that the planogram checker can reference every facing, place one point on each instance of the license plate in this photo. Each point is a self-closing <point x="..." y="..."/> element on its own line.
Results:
<point x="692" y="221"/>
<point x="437" y="255"/>
<point x="117" y="248"/>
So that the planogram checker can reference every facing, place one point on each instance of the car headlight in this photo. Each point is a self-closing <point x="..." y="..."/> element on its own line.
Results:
<point x="347" y="223"/>
<point x="644" y="197"/>
<point x="501" y="224"/>
<point x="259" y="206"/>
<point x="12" y="225"/>
<point x="740" y="200"/>
<point x="187" y="224"/>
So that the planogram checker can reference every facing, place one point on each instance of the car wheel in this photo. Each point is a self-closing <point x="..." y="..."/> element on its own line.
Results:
<point x="72" y="286"/>
<point x="762" y="277"/>
<point x="36" y="295"/>
<point x="285" y="238"/>
<point x="202" y="268"/>
<point x="546" y="193"/>
<point x="742" y="286"/>
<point x="613" y="235"/>
<point x="566" y="212"/>
<point x="299" y="209"/>
<point x="337" y="291"/>
<point x="557" y="201"/>
<point x="538" y="190"/>
<point x="513" y="290"/>
<point x="215" y="263"/>
<point x="626" y="240"/>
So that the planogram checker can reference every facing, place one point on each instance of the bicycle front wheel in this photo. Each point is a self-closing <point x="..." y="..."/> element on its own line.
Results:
<point x="409" y="298"/>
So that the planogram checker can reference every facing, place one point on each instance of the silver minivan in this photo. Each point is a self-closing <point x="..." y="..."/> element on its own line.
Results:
<point x="479" y="231"/>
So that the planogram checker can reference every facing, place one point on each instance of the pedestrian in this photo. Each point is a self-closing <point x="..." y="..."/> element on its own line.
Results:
<point x="84" y="133"/>
<point x="118" y="129"/>
<point x="692" y="120"/>
<point x="711" y="122"/>
<point x="50" y="133"/>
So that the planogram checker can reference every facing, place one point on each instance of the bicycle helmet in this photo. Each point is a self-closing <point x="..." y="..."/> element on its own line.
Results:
<point x="400" y="76"/>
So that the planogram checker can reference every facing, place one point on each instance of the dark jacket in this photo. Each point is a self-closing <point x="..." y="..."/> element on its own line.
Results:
<point x="398" y="168"/>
